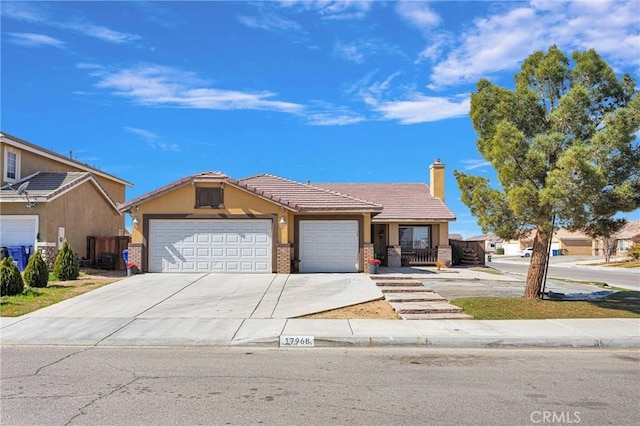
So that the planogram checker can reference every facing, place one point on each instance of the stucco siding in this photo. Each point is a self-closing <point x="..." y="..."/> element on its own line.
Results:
<point x="87" y="207"/>
<point x="182" y="201"/>
<point x="32" y="163"/>
<point x="82" y="212"/>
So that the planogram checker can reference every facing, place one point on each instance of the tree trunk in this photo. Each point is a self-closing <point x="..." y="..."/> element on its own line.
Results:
<point x="535" y="276"/>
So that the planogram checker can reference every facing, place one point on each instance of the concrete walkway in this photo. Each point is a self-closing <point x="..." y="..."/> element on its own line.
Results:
<point x="250" y="310"/>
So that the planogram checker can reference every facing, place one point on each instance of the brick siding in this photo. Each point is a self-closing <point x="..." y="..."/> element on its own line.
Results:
<point x="394" y="258"/>
<point x="284" y="253"/>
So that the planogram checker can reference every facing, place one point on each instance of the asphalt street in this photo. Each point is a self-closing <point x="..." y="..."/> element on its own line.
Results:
<point x="188" y="386"/>
<point x="567" y="270"/>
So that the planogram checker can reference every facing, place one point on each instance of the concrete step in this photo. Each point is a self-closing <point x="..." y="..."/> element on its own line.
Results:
<point x="413" y="297"/>
<point x="437" y="316"/>
<point x="425" y="307"/>
<point x="398" y="283"/>
<point x="391" y="277"/>
<point x="412" y="289"/>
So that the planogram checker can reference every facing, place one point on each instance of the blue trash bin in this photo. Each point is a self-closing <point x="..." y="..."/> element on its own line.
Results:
<point x="554" y="252"/>
<point x="17" y="253"/>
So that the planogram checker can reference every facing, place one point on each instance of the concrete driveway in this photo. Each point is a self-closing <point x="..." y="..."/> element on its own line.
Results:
<point x="187" y="309"/>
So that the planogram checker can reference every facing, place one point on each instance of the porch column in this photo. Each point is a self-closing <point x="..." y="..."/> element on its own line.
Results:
<point x="284" y="257"/>
<point x="135" y="254"/>
<point x="445" y="254"/>
<point x="394" y="258"/>
<point x="368" y="255"/>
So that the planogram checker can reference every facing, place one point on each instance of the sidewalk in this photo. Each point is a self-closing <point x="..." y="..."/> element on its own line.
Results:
<point x="187" y="310"/>
<point x="567" y="333"/>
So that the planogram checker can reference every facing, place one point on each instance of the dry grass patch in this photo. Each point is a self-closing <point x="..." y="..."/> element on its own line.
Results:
<point x="378" y="309"/>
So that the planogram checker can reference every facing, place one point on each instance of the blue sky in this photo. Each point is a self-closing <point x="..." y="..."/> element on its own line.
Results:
<point x="342" y="91"/>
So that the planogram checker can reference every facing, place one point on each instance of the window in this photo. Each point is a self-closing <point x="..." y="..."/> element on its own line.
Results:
<point x="415" y="237"/>
<point x="624" y="245"/>
<point x="209" y="198"/>
<point x="11" y="165"/>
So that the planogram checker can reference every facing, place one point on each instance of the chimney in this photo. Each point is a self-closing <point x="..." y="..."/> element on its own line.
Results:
<point x="436" y="179"/>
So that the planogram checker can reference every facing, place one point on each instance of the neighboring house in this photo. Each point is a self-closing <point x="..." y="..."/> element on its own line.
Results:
<point x="46" y="197"/>
<point x="628" y="235"/>
<point x="624" y="239"/>
<point x="265" y="223"/>
<point x="574" y="243"/>
<point x="491" y="242"/>
<point x="456" y="237"/>
<point x="563" y="242"/>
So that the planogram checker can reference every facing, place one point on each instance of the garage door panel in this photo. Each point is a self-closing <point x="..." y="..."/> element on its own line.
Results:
<point x="210" y="245"/>
<point x="329" y="246"/>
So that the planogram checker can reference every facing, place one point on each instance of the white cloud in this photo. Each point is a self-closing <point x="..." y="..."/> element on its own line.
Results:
<point x="418" y="13"/>
<point x="34" y="40"/>
<point x="350" y="52"/>
<point x="25" y="11"/>
<point x="335" y="10"/>
<point x="323" y="114"/>
<point x="269" y="22"/>
<point x="22" y="11"/>
<point x="422" y="109"/>
<point x="474" y="164"/>
<point x="99" y="32"/>
<point x="500" y="42"/>
<point x="153" y="140"/>
<point x="166" y="86"/>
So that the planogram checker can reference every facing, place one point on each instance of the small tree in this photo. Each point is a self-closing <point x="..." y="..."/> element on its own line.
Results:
<point x="36" y="274"/>
<point x="634" y="251"/>
<point x="66" y="266"/>
<point x="10" y="279"/>
<point x="564" y="147"/>
<point x="604" y="229"/>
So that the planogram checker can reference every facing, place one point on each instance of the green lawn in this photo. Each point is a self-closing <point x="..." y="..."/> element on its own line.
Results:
<point x="33" y="299"/>
<point x="623" y="304"/>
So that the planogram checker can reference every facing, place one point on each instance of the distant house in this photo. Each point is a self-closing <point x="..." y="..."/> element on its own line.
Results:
<point x="628" y="235"/>
<point x="46" y="198"/>
<point x="264" y="223"/>
<point x="491" y="242"/>
<point x="563" y="242"/>
<point x="456" y="237"/>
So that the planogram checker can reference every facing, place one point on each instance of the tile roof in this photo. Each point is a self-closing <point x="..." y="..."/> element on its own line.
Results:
<point x="22" y="144"/>
<point x="45" y="186"/>
<point x="396" y="201"/>
<point x="630" y="230"/>
<point x="306" y="197"/>
<point x="565" y="234"/>
<point x="401" y="201"/>
<point x="213" y="176"/>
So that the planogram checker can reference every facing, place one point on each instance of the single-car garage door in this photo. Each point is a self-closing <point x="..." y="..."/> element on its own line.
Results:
<point x="18" y="230"/>
<point x="328" y="246"/>
<point x="195" y="245"/>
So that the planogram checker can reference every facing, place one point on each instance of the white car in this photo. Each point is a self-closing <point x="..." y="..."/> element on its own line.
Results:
<point x="526" y="252"/>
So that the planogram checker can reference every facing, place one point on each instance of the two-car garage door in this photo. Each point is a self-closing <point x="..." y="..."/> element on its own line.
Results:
<point x="246" y="245"/>
<point x="194" y="245"/>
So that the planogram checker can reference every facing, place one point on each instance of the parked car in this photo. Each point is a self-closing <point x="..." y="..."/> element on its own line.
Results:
<point x="526" y="252"/>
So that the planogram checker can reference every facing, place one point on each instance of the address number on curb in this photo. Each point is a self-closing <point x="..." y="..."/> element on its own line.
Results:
<point x="296" y="341"/>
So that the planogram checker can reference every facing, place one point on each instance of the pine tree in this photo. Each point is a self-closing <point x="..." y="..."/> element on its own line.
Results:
<point x="36" y="274"/>
<point x="66" y="266"/>
<point x="10" y="279"/>
<point x="564" y="147"/>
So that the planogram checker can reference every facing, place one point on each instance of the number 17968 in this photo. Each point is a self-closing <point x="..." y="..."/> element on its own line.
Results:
<point x="296" y="341"/>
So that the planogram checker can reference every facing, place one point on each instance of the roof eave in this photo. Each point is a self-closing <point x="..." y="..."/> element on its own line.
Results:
<point x="415" y="219"/>
<point x="28" y="146"/>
